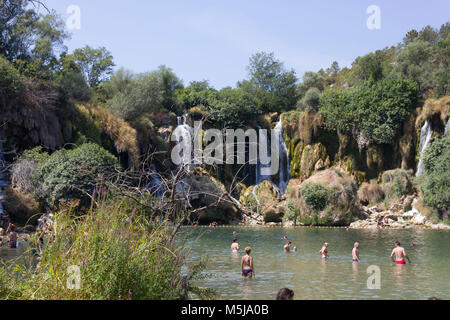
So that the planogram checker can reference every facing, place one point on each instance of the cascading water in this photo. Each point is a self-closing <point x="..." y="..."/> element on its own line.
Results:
<point x="284" y="172"/>
<point x="184" y="135"/>
<point x="284" y="166"/>
<point x="155" y="184"/>
<point x="425" y="137"/>
<point x="447" y="128"/>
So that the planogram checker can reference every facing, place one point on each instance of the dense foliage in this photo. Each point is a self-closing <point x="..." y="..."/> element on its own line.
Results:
<point x="73" y="174"/>
<point x="373" y="109"/>
<point x="315" y="195"/>
<point x="120" y="256"/>
<point x="436" y="187"/>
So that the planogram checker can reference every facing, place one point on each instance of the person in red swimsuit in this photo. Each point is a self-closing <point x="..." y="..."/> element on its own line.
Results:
<point x="400" y="254"/>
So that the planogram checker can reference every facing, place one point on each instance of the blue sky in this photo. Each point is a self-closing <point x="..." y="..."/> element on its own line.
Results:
<point x="213" y="40"/>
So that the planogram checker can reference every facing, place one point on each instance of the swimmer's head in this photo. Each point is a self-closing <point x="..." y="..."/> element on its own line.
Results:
<point x="234" y="240"/>
<point x="326" y="244"/>
<point x="285" y="294"/>
<point x="248" y="250"/>
<point x="356" y="244"/>
<point x="397" y="243"/>
<point x="289" y="242"/>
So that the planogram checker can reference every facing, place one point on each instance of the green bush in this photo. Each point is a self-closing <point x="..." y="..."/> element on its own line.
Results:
<point x="397" y="183"/>
<point x="72" y="174"/>
<point x="436" y="184"/>
<point x="293" y="212"/>
<point x="315" y="195"/>
<point x="121" y="255"/>
<point x="374" y="109"/>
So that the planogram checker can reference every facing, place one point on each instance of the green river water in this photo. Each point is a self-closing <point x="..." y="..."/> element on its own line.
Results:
<point x="306" y="273"/>
<point x="310" y="277"/>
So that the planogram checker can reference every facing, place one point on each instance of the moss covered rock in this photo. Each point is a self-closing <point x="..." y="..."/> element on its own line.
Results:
<point x="326" y="198"/>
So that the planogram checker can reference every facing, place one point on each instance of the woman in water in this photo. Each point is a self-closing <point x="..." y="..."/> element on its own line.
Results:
<point x="247" y="268"/>
<point x="324" y="251"/>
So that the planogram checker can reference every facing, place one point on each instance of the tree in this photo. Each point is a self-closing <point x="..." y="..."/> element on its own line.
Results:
<point x="140" y="96"/>
<point x="170" y="83"/>
<point x="428" y="34"/>
<point x="233" y="108"/>
<point x="96" y="64"/>
<point x="334" y="69"/>
<point x="30" y="40"/>
<point x="374" y="109"/>
<point x="310" y="101"/>
<point x="310" y="80"/>
<point x="270" y="83"/>
<point x="367" y="68"/>
<point x="411" y="36"/>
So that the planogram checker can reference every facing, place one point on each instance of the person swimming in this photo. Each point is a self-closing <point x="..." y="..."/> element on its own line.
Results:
<point x="285" y="294"/>
<point x="294" y="249"/>
<point x="287" y="247"/>
<point x="324" y="251"/>
<point x="247" y="268"/>
<point x="400" y="254"/>
<point x="355" y="253"/>
<point x="235" y="245"/>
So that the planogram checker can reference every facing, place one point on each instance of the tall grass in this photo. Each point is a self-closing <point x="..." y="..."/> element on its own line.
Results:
<point x="121" y="254"/>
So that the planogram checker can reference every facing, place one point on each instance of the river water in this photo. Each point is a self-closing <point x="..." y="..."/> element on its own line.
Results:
<point x="310" y="277"/>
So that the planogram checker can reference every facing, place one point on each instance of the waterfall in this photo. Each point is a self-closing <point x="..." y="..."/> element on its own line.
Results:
<point x="184" y="134"/>
<point x="284" y="172"/>
<point x="259" y="167"/>
<point x="283" y="157"/>
<point x="155" y="184"/>
<point x="446" y="128"/>
<point x="425" y="137"/>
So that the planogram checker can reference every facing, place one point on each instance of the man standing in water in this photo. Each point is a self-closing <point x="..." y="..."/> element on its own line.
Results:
<point x="324" y="251"/>
<point x="247" y="268"/>
<point x="400" y="254"/>
<point x="235" y="246"/>
<point x="355" y="252"/>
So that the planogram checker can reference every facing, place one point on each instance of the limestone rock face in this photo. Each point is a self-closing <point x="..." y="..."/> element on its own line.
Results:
<point x="205" y="190"/>
<point x="340" y="207"/>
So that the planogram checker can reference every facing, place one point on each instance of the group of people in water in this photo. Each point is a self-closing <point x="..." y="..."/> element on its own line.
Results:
<point x="398" y="254"/>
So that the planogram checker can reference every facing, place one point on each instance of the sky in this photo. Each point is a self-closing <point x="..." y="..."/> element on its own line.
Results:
<point x="213" y="40"/>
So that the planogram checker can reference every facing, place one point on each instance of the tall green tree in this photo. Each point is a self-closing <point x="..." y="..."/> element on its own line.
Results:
<point x="96" y="64"/>
<point x="270" y="83"/>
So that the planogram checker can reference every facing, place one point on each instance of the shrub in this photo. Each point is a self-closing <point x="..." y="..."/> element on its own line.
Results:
<point x="397" y="183"/>
<point x="436" y="185"/>
<point x="315" y="195"/>
<point x="293" y="212"/>
<point x="120" y="253"/>
<point x="310" y="101"/>
<point x="24" y="167"/>
<point x="72" y="174"/>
